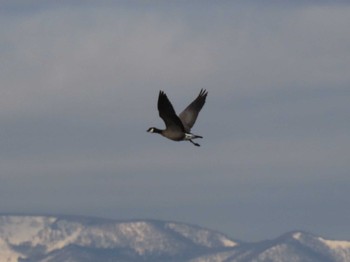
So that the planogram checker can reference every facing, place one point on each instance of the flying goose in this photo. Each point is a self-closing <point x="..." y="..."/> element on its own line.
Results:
<point x="178" y="128"/>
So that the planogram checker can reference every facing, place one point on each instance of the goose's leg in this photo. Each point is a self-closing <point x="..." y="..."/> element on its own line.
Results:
<point x="194" y="142"/>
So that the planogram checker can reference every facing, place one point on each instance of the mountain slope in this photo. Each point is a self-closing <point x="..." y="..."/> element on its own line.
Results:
<point x="291" y="247"/>
<point x="40" y="238"/>
<point x="80" y="239"/>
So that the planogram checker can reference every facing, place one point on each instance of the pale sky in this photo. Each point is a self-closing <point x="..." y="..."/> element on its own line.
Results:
<point x="79" y="87"/>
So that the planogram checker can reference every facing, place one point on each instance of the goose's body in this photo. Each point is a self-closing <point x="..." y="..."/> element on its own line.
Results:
<point x="178" y="128"/>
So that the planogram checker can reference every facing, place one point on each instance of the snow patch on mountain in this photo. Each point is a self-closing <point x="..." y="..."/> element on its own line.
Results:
<point x="334" y="244"/>
<point x="19" y="229"/>
<point x="201" y="236"/>
<point x="297" y="235"/>
<point x="7" y="254"/>
<point x="339" y="249"/>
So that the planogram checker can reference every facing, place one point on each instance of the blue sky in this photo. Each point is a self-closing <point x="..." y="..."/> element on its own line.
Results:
<point x="79" y="86"/>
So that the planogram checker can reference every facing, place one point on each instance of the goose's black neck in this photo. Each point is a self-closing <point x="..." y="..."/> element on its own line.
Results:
<point x="156" y="130"/>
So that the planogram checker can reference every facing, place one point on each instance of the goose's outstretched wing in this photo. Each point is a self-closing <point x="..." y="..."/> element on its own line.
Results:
<point x="167" y="113"/>
<point x="189" y="115"/>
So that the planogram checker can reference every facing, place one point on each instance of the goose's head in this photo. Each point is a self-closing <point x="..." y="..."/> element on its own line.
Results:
<point x="154" y="130"/>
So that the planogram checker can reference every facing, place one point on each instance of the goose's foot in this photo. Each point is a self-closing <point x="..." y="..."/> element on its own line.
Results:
<point x="196" y="144"/>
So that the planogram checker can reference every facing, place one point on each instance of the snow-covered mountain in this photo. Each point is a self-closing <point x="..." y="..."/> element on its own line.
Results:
<point x="78" y="239"/>
<point x="50" y="238"/>
<point x="292" y="247"/>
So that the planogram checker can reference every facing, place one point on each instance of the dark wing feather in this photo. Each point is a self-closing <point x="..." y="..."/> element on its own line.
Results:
<point x="189" y="115"/>
<point x="167" y="113"/>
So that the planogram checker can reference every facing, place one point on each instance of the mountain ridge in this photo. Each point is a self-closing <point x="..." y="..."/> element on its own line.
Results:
<point x="51" y="238"/>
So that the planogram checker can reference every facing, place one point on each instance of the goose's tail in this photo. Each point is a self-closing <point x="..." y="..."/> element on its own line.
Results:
<point x="189" y="136"/>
